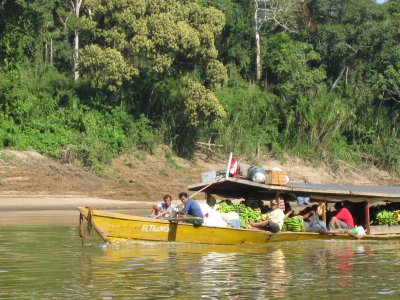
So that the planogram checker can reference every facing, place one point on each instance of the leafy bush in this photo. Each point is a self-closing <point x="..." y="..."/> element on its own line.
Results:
<point x="252" y="121"/>
<point x="9" y="133"/>
<point x="144" y="135"/>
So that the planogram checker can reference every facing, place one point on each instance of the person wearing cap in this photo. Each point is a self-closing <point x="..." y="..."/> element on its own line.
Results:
<point x="273" y="220"/>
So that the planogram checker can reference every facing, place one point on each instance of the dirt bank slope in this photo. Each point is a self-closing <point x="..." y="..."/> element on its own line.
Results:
<point x="147" y="177"/>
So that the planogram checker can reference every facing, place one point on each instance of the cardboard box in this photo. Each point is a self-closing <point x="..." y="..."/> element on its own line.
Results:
<point x="275" y="177"/>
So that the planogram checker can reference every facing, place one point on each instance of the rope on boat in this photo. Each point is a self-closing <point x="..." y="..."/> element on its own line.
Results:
<point x="89" y="220"/>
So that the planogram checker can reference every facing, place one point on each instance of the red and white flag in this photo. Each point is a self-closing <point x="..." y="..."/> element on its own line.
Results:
<point x="233" y="167"/>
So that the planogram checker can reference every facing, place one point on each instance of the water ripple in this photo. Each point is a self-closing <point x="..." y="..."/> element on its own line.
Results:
<point x="42" y="262"/>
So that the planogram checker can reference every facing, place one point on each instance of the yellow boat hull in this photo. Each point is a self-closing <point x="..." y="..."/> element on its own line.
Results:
<point x="113" y="226"/>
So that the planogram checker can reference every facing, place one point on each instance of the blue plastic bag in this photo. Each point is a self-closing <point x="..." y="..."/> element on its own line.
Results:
<point x="302" y="200"/>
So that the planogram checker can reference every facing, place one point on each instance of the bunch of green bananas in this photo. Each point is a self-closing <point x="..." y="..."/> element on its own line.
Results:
<point x="245" y="213"/>
<point x="293" y="224"/>
<point x="386" y="217"/>
<point x="397" y="215"/>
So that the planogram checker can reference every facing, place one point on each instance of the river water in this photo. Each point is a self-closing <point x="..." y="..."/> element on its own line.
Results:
<point x="51" y="262"/>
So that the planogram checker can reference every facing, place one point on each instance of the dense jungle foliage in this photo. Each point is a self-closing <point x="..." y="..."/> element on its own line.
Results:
<point x="90" y="79"/>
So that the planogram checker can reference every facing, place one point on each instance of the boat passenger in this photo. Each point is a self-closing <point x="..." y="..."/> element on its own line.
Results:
<point x="164" y="209"/>
<point x="273" y="219"/>
<point x="191" y="212"/>
<point x="343" y="219"/>
<point x="312" y="221"/>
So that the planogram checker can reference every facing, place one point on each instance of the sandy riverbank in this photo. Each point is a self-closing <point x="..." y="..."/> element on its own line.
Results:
<point x="59" y="210"/>
<point x="29" y="203"/>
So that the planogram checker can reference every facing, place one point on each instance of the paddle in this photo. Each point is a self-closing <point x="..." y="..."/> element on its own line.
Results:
<point x="161" y="214"/>
<point x="202" y="189"/>
<point x="183" y="219"/>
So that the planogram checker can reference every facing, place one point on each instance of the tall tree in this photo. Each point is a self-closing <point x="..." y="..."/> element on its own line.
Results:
<point x="273" y="14"/>
<point x="159" y="37"/>
<point x="135" y="47"/>
<point x="76" y="7"/>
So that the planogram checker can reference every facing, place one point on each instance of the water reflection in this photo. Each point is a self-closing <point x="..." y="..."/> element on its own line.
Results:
<point x="42" y="262"/>
<point x="198" y="270"/>
<point x="280" y="276"/>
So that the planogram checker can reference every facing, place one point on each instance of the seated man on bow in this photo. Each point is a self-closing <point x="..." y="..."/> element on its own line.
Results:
<point x="164" y="209"/>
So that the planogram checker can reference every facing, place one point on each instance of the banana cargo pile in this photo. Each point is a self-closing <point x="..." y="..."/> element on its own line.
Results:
<point x="293" y="224"/>
<point x="245" y="213"/>
<point x="388" y="214"/>
<point x="385" y="217"/>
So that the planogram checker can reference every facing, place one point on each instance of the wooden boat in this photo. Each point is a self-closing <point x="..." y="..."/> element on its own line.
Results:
<point x="114" y="227"/>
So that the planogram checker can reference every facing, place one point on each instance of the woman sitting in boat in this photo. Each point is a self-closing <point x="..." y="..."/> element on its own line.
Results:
<point x="343" y="219"/>
<point x="191" y="212"/>
<point x="164" y="209"/>
<point x="273" y="219"/>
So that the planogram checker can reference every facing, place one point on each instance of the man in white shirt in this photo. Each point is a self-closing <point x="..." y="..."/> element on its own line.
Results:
<point x="164" y="209"/>
<point x="273" y="219"/>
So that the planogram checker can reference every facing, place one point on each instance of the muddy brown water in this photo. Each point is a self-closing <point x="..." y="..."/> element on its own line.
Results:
<point x="42" y="257"/>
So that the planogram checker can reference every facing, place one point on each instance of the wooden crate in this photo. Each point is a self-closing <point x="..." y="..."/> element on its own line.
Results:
<point x="275" y="177"/>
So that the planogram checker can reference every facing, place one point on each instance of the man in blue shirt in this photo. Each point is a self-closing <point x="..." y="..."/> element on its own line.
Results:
<point x="191" y="210"/>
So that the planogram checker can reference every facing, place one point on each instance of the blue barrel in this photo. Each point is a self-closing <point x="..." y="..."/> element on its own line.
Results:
<point x="255" y="172"/>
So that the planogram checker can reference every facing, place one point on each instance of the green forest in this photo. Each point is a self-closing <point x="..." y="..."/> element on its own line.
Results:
<point x="91" y="79"/>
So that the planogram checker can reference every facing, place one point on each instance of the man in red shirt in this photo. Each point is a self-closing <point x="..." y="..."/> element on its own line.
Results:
<point x="343" y="219"/>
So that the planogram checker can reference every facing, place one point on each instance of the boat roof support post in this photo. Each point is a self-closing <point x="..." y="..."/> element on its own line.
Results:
<point x="367" y="221"/>
<point x="322" y="203"/>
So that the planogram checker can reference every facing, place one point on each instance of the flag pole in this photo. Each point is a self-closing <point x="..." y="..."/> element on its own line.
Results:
<point x="228" y="166"/>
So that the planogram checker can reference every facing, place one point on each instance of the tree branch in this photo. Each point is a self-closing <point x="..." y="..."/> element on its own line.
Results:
<point x="61" y="19"/>
<point x="338" y="78"/>
<point x="3" y="2"/>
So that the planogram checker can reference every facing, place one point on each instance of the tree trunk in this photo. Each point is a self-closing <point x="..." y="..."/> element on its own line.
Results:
<point x="76" y="56"/>
<point x="338" y="78"/>
<point x="51" y="51"/>
<point x="77" y="8"/>
<point x="45" y="53"/>
<point x="258" y="59"/>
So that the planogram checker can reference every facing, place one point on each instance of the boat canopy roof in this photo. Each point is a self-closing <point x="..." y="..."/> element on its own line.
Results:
<point x="242" y="188"/>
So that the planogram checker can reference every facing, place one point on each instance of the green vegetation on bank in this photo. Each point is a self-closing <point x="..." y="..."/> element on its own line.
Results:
<point x="115" y="76"/>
